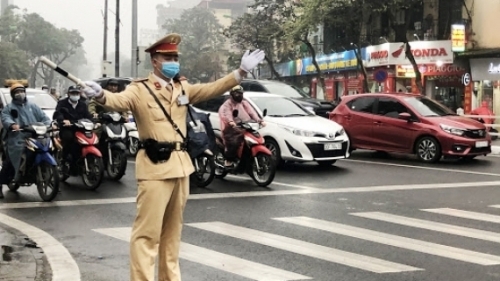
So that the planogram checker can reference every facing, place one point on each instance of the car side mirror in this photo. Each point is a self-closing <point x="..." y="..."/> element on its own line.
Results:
<point x="235" y="113"/>
<point x="404" y="116"/>
<point x="264" y="113"/>
<point x="14" y="113"/>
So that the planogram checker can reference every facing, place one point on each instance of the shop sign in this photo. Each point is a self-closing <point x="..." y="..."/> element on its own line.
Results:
<point x="377" y="55"/>
<point x="425" y="52"/>
<point x="466" y="79"/>
<point x="485" y="69"/>
<point x="458" y="38"/>
<point x="430" y="70"/>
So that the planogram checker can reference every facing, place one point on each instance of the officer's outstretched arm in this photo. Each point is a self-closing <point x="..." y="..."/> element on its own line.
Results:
<point x="92" y="106"/>
<point x="123" y="101"/>
<point x="202" y="92"/>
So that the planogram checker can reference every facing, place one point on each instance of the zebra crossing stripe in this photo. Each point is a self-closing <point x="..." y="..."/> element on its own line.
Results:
<point x="434" y="226"/>
<point x="304" y="248"/>
<point x="465" y="214"/>
<point x="396" y="241"/>
<point x="220" y="261"/>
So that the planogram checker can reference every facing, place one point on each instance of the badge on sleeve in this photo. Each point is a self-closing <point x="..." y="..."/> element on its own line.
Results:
<point x="183" y="100"/>
<point x="157" y="85"/>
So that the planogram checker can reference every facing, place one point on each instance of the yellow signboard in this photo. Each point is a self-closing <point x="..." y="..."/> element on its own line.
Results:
<point x="458" y="38"/>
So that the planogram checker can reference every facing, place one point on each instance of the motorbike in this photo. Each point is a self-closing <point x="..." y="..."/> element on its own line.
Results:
<point x="112" y="144"/>
<point x="38" y="165"/>
<point x="90" y="164"/>
<point x="201" y="144"/>
<point x="488" y="128"/>
<point x="254" y="158"/>
<point x="132" y="137"/>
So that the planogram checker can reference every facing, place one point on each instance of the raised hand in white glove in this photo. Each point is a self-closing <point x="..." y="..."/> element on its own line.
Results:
<point x="92" y="90"/>
<point x="250" y="60"/>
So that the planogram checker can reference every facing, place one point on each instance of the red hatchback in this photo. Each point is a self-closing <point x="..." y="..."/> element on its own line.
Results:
<point x="409" y="123"/>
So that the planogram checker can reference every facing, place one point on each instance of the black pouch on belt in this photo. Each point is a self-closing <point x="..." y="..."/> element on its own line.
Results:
<point x="156" y="151"/>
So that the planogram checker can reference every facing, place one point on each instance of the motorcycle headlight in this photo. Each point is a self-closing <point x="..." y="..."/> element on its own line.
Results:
<point x="452" y="130"/>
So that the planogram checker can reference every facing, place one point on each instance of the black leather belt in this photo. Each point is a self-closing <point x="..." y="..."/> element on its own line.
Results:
<point x="173" y="146"/>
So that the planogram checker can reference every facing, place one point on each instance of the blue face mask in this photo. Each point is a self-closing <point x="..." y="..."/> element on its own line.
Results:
<point x="170" y="69"/>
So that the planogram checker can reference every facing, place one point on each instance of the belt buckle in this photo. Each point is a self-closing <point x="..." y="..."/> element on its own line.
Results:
<point x="178" y="146"/>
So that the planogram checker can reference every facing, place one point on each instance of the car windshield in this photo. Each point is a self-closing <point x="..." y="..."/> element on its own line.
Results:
<point x="279" y="107"/>
<point x="427" y="107"/>
<point x="38" y="97"/>
<point x="284" y="90"/>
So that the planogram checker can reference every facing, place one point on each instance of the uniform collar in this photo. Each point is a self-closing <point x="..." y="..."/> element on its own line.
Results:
<point x="160" y="80"/>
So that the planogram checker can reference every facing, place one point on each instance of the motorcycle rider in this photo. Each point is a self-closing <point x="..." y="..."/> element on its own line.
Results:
<point x="27" y="113"/>
<point x="68" y="111"/>
<point x="95" y="108"/>
<point x="232" y="136"/>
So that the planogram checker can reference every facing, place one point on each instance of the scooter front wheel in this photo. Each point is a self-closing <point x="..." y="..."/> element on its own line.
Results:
<point x="204" y="170"/>
<point x="263" y="169"/>
<point x="47" y="178"/>
<point x="92" y="178"/>
<point x="219" y="170"/>
<point x="117" y="170"/>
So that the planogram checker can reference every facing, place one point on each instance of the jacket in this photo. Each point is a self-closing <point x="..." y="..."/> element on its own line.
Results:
<point x="152" y="123"/>
<point x="74" y="114"/>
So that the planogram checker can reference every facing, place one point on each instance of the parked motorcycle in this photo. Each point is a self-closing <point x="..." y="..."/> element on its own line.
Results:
<point x="201" y="146"/>
<point x="254" y="158"/>
<point x="38" y="166"/>
<point x="90" y="163"/>
<point x="112" y="144"/>
<point x="132" y="137"/>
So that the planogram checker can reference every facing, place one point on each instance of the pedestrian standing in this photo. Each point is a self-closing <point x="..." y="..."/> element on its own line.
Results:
<point x="159" y="105"/>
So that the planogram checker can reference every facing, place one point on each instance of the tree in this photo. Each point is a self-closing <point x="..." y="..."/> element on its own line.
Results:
<point x="76" y="64"/>
<point x="258" y="30"/>
<point x="14" y="62"/>
<point x="202" y="42"/>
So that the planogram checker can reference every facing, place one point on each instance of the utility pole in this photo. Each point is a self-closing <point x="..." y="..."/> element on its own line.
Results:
<point x="134" y="40"/>
<point x="117" y="40"/>
<point x="105" y="42"/>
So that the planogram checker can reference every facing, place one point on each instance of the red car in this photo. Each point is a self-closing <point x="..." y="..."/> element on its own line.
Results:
<point x="408" y="123"/>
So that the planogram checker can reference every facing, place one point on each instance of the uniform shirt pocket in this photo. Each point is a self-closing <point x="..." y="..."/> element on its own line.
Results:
<point x="156" y="112"/>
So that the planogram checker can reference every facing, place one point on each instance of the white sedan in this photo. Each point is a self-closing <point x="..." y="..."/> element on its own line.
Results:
<point x="293" y="133"/>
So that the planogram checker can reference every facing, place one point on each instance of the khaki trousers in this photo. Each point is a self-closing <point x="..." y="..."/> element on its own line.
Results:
<point x="160" y="207"/>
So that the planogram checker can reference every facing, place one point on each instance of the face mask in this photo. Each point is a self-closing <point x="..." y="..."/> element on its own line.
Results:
<point x="170" y="69"/>
<point x="20" y="96"/>
<point x="237" y="98"/>
<point x="74" y="98"/>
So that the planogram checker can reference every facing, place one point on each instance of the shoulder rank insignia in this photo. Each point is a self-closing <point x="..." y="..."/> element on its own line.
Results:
<point x="140" y="79"/>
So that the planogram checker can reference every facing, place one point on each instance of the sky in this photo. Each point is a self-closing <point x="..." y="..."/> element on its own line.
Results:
<point x="86" y="16"/>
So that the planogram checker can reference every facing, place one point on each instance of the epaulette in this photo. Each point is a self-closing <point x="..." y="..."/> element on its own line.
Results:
<point x="183" y="78"/>
<point x="140" y="80"/>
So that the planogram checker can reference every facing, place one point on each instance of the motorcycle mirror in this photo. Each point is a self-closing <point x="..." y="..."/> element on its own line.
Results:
<point x="14" y="113"/>
<point x="235" y="113"/>
<point x="264" y="113"/>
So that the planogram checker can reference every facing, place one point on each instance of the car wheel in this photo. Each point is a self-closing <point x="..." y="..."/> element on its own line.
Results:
<point x="428" y="150"/>
<point x="273" y="146"/>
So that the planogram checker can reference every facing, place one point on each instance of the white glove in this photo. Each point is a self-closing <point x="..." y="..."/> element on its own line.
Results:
<point x="250" y="60"/>
<point x="92" y="90"/>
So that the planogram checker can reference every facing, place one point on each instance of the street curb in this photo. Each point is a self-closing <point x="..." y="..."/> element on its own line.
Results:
<point x="495" y="149"/>
<point x="19" y="262"/>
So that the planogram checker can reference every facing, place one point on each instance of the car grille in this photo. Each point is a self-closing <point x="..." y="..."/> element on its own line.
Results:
<point x="475" y="134"/>
<point x="317" y="150"/>
<point x="480" y="150"/>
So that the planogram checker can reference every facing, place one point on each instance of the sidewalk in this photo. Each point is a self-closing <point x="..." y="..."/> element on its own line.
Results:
<point x="20" y="258"/>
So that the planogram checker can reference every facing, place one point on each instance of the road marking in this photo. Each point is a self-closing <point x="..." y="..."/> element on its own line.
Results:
<point x="61" y="262"/>
<point x="273" y="183"/>
<point x="220" y="261"/>
<point x="204" y="196"/>
<point x="304" y="248"/>
<point x="434" y="226"/>
<point x="495" y="206"/>
<point x="396" y="241"/>
<point x="423" y="168"/>
<point x="465" y="214"/>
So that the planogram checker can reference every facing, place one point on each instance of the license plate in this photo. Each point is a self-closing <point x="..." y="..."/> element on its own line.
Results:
<point x="481" y="144"/>
<point x="333" y="146"/>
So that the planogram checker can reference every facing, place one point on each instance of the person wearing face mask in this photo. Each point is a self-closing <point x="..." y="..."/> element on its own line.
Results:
<point x="96" y="109"/>
<point x="232" y="136"/>
<point x="76" y="109"/>
<point x="163" y="166"/>
<point x="27" y="113"/>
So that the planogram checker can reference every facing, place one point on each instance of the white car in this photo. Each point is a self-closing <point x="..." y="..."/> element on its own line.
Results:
<point x="293" y="133"/>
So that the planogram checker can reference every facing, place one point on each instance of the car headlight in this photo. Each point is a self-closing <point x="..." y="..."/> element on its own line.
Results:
<point x="452" y="130"/>
<point x="341" y="132"/>
<point x="297" y="132"/>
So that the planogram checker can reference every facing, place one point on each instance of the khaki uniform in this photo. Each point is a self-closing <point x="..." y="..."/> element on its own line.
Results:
<point x="163" y="188"/>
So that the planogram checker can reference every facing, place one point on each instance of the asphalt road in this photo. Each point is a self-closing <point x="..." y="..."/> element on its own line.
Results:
<point x="370" y="218"/>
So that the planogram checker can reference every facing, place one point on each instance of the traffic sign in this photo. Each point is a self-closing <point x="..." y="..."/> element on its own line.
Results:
<point x="466" y="79"/>
<point x="380" y="75"/>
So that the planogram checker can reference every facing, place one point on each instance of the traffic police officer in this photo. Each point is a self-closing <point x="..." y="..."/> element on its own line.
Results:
<point x="163" y="166"/>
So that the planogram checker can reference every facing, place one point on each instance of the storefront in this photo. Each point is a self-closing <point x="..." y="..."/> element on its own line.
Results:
<point x="486" y="76"/>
